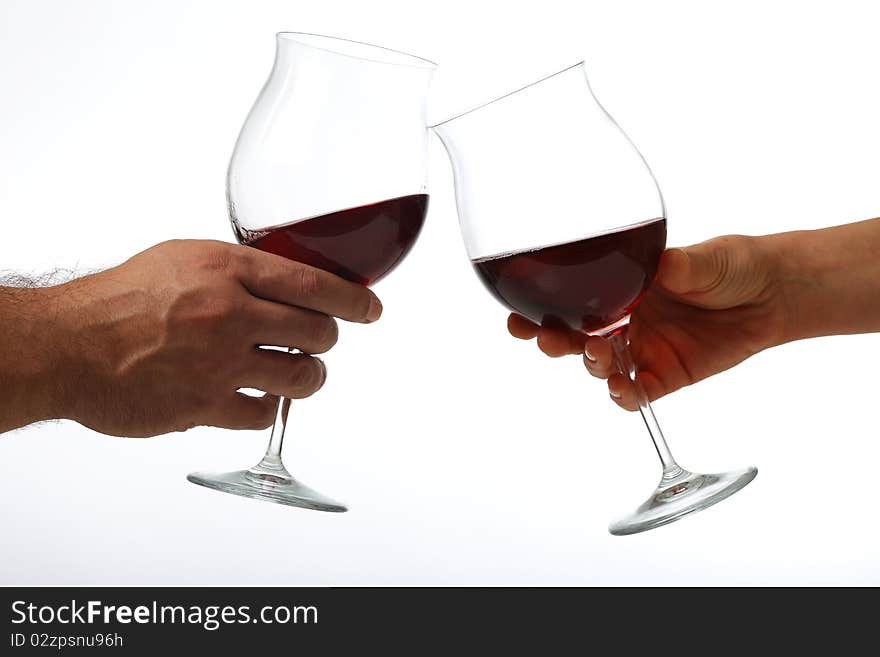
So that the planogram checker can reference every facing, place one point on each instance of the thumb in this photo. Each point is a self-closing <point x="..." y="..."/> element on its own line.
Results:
<point x="720" y="273"/>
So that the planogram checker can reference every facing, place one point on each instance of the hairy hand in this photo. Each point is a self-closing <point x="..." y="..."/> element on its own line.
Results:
<point x="164" y="341"/>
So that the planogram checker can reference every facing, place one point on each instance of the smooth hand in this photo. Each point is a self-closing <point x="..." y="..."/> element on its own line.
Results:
<point x="710" y="307"/>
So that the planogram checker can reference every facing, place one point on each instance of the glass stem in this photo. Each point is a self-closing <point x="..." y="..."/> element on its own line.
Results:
<point x="626" y="365"/>
<point x="271" y="463"/>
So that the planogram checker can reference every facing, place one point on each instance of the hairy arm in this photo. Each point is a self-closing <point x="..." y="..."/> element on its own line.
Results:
<point x="35" y="381"/>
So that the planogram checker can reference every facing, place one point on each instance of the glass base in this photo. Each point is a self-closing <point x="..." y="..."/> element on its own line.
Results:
<point x="269" y="483"/>
<point x="680" y="495"/>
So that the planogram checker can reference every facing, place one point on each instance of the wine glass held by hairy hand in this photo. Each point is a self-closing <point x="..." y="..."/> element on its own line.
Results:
<point x="164" y="341"/>
<point x="327" y="193"/>
<point x="330" y="169"/>
<point x="715" y="304"/>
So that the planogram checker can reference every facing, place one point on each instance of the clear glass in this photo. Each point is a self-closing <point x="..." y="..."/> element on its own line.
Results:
<point x="564" y="222"/>
<point x="338" y="130"/>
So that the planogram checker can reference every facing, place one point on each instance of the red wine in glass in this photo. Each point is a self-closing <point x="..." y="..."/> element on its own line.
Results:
<point x="572" y="174"/>
<point x="586" y="285"/>
<point x="350" y="130"/>
<point x="359" y="244"/>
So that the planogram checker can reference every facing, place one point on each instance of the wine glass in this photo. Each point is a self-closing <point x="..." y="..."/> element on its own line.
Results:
<point x="564" y="223"/>
<point x="329" y="170"/>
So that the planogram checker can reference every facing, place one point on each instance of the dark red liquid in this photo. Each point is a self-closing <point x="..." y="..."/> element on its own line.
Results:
<point x="585" y="285"/>
<point x="360" y="244"/>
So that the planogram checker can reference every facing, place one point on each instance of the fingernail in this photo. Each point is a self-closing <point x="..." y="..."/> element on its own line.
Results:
<point x="323" y="369"/>
<point x="614" y="395"/>
<point x="590" y="357"/>
<point x="375" y="311"/>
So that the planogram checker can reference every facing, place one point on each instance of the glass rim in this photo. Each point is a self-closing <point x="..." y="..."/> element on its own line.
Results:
<point x="313" y="40"/>
<point x="579" y="64"/>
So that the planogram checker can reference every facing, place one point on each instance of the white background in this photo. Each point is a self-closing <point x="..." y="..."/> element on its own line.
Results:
<point x="466" y="457"/>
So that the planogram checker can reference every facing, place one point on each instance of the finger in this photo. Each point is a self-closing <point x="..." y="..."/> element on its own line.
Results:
<point x="560" y="342"/>
<point x="279" y="373"/>
<point x="287" y="326"/>
<point x="278" y="279"/>
<point x="719" y="273"/>
<point x="674" y="271"/>
<point x="242" y="412"/>
<point x="693" y="269"/>
<point x="623" y="391"/>
<point x="521" y="328"/>
<point x="599" y="357"/>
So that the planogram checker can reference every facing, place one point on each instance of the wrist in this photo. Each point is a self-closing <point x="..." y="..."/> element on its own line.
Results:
<point x="67" y="374"/>
<point x="797" y="275"/>
<point x="54" y="353"/>
<point x="29" y="365"/>
<point x="755" y="279"/>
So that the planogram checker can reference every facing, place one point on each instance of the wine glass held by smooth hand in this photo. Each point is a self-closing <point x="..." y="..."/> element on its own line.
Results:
<point x="564" y="224"/>
<point x="329" y="170"/>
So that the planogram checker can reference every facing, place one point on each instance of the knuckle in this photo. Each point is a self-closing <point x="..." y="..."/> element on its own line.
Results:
<point x="728" y="248"/>
<point x="745" y="248"/>
<point x="218" y="256"/>
<point x="306" y="377"/>
<point x="325" y="333"/>
<point x="309" y="281"/>
<point x="737" y="262"/>
<point x="219" y="309"/>
<point x="731" y="241"/>
<point x="198" y="320"/>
